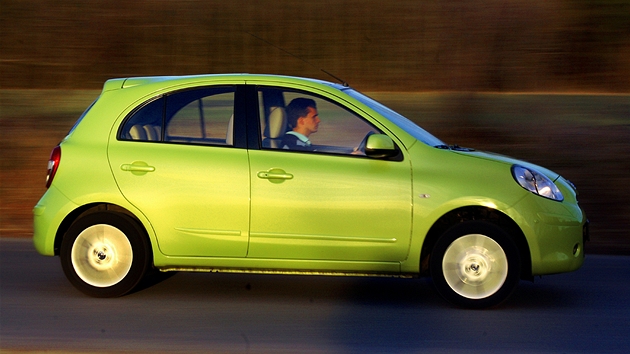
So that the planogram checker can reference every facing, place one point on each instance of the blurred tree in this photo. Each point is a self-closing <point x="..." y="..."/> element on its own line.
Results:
<point x="589" y="46"/>
<point x="408" y="45"/>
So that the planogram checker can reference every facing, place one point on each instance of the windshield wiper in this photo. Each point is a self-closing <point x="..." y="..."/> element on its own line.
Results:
<point x="453" y="147"/>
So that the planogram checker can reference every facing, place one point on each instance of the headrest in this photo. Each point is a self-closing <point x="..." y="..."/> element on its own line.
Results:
<point x="153" y="132"/>
<point x="277" y="125"/>
<point x="137" y="132"/>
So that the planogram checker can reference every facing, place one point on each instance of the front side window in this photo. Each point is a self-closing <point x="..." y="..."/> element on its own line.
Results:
<point x="296" y="120"/>
<point x="199" y="116"/>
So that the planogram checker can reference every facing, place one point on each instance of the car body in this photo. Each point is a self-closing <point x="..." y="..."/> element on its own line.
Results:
<point x="187" y="173"/>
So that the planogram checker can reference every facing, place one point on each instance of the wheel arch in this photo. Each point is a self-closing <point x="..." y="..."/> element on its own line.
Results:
<point x="90" y="209"/>
<point x="479" y="213"/>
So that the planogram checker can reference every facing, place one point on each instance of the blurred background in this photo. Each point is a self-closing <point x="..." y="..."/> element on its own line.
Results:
<point x="402" y="45"/>
<point x="544" y="81"/>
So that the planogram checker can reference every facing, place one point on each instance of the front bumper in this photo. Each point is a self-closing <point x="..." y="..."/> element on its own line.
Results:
<point x="555" y="232"/>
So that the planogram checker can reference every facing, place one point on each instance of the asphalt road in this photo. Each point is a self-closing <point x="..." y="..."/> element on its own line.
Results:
<point x="587" y="311"/>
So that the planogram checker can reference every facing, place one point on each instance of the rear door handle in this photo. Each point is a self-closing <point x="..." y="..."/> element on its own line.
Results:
<point x="139" y="167"/>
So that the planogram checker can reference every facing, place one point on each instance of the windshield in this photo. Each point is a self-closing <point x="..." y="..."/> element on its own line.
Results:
<point x="402" y="122"/>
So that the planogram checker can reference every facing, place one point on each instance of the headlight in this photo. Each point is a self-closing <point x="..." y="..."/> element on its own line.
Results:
<point x="536" y="182"/>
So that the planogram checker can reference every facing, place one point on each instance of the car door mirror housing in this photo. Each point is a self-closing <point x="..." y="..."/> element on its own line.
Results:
<point x="380" y="146"/>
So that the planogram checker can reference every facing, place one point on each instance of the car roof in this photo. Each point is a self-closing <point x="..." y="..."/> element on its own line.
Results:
<point x="166" y="81"/>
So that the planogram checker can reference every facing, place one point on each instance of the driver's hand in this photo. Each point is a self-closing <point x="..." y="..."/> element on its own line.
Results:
<point x="356" y="151"/>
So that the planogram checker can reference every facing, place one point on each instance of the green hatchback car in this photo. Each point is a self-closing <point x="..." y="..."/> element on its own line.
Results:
<point x="286" y="175"/>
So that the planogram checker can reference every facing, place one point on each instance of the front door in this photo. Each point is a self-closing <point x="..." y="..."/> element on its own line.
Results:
<point x="331" y="203"/>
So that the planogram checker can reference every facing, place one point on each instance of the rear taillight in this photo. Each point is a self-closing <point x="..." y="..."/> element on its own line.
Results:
<point x="53" y="164"/>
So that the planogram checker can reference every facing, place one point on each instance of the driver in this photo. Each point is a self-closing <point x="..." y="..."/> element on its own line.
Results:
<point x="303" y="121"/>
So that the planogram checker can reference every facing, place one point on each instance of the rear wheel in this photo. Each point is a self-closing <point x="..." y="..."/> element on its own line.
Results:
<point x="475" y="264"/>
<point x="105" y="254"/>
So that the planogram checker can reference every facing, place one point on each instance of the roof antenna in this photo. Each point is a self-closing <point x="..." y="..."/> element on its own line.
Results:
<point x="343" y="82"/>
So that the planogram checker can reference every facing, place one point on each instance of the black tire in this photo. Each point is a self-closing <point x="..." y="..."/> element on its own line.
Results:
<point x="475" y="264"/>
<point x="105" y="254"/>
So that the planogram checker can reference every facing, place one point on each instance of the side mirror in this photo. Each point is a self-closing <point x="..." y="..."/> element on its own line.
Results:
<point x="380" y="146"/>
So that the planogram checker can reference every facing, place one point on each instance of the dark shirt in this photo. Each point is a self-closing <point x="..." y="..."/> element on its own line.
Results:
<point x="293" y="142"/>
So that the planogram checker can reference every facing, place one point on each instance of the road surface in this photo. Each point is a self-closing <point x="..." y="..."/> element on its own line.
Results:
<point x="587" y="311"/>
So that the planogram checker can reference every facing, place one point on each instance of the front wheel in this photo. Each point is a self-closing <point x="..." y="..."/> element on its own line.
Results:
<point x="105" y="254"/>
<point x="475" y="264"/>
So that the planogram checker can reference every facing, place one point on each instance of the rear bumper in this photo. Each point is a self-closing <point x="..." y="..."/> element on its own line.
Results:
<point x="48" y="215"/>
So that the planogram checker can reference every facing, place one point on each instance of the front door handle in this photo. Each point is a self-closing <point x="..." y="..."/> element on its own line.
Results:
<point x="274" y="173"/>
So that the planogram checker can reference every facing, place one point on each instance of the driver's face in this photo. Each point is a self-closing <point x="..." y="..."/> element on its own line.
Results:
<point x="310" y="122"/>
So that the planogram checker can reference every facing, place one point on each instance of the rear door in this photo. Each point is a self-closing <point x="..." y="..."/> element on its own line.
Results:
<point x="177" y="159"/>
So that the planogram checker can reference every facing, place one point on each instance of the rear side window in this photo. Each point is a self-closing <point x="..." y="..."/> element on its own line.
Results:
<point x="199" y="116"/>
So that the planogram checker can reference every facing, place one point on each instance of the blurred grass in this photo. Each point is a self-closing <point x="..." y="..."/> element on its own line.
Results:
<point x="586" y="138"/>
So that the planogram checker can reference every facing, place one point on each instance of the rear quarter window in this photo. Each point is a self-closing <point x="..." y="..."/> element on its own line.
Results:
<point x="144" y="123"/>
